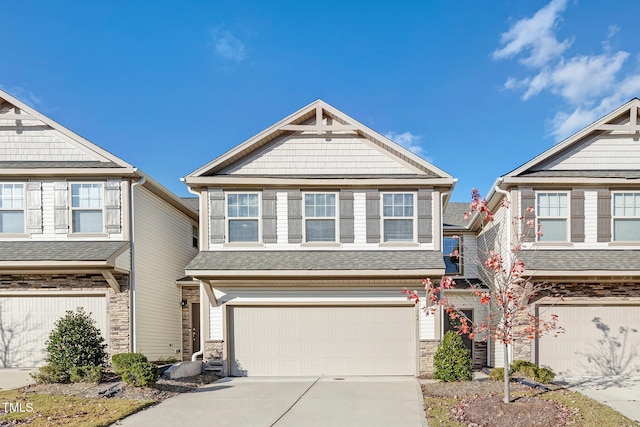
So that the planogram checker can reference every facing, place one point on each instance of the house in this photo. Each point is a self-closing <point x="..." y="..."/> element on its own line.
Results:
<point x="585" y="195"/>
<point x="308" y="233"/>
<point x="80" y="227"/>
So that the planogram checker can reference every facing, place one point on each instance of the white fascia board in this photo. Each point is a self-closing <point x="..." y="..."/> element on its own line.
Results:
<point x="238" y="181"/>
<point x="373" y="274"/>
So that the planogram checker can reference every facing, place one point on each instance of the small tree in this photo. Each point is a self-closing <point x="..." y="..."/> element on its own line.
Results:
<point x="508" y="294"/>
<point x="75" y="341"/>
<point x="452" y="361"/>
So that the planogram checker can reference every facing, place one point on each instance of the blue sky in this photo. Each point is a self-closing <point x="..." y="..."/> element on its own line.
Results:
<point x="477" y="88"/>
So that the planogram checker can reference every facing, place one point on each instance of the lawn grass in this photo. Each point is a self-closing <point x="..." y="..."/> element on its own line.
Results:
<point x="590" y="412"/>
<point x="49" y="410"/>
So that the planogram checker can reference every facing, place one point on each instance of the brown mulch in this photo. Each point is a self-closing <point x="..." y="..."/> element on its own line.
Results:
<point x="481" y="403"/>
<point x="161" y="390"/>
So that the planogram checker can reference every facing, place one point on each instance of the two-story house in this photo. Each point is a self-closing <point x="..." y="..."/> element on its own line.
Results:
<point x="308" y="233"/>
<point x="80" y="227"/>
<point x="584" y="195"/>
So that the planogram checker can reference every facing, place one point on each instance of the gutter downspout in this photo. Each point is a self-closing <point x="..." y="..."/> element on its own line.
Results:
<point x="132" y="291"/>
<point x="203" y="293"/>
<point x="508" y="353"/>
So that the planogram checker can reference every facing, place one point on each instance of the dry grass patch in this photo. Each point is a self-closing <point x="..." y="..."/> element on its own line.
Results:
<point x="18" y="407"/>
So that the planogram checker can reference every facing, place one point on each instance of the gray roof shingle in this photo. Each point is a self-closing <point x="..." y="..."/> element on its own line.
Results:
<point x="59" y="251"/>
<point x="310" y="260"/>
<point x="56" y="165"/>
<point x="581" y="260"/>
<point x="453" y="216"/>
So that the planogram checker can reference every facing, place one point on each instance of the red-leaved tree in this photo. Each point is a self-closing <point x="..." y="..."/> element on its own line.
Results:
<point x="506" y="291"/>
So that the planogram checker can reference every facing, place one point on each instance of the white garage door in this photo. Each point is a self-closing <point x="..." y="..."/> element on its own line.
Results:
<point x="599" y="340"/>
<point x="27" y="321"/>
<point x="327" y="340"/>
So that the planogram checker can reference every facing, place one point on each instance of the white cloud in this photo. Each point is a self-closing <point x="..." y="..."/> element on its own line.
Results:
<point x="228" y="46"/>
<point x="589" y="85"/>
<point x="408" y="140"/>
<point x="535" y="36"/>
<point x="23" y="95"/>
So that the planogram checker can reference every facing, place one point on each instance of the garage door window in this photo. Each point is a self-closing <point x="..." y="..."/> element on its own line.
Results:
<point x="626" y="217"/>
<point x="11" y="208"/>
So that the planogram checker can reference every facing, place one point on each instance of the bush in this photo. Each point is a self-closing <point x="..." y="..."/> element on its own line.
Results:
<point x="141" y="374"/>
<point x="50" y="374"/>
<point x="496" y="374"/>
<point x="74" y="341"/>
<point x="541" y="375"/>
<point x="90" y="374"/>
<point x="121" y="362"/>
<point x="452" y="361"/>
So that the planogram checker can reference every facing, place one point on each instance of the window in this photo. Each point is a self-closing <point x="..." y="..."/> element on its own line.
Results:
<point x="452" y="254"/>
<point x="11" y="208"/>
<point x="86" y="208"/>
<point x="243" y="212"/>
<point x="626" y="217"/>
<point x="194" y="236"/>
<point x="320" y="217"/>
<point x="398" y="217"/>
<point x="553" y="216"/>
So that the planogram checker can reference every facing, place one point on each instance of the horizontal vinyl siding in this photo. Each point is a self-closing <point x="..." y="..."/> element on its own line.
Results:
<point x="427" y="323"/>
<point x="163" y="247"/>
<point x="360" y="218"/>
<point x="282" y="223"/>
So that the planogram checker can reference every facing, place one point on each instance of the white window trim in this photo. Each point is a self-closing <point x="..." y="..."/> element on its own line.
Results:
<point x="24" y="210"/>
<point x="567" y="237"/>
<point x="72" y="209"/>
<point x="336" y="218"/>
<point x="613" y="216"/>
<point x="227" y="218"/>
<point x="414" y="218"/>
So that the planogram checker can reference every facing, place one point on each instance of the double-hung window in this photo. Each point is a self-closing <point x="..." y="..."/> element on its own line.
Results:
<point x="552" y="212"/>
<point x="452" y="255"/>
<point x="87" y="201"/>
<point x="11" y="208"/>
<point x="320" y="217"/>
<point x="626" y="217"/>
<point x="243" y="214"/>
<point x="398" y="217"/>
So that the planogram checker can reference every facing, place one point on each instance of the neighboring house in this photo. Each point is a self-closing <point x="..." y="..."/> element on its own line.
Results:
<point x="585" y="192"/>
<point x="79" y="227"/>
<point x="308" y="233"/>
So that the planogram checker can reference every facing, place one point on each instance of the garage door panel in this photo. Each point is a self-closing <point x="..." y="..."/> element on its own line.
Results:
<point x="598" y="340"/>
<point x="28" y="321"/>
<point x="274" y="341"/>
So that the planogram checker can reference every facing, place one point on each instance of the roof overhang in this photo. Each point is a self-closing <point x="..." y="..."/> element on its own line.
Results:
<point x="364" y="182"/>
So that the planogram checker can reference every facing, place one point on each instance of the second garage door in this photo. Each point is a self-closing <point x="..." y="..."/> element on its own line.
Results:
<point x="26" y="322"/>
<point x="598" y="340"/>
<point x="322" y="340"/>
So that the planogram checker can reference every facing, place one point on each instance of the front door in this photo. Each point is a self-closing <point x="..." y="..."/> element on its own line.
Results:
<point x="195" y="327"/>
<point x="453" y="325"/>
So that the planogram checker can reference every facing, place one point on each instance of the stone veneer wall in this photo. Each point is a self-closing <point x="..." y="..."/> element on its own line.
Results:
<point x="427" y="351"/>
<point x="190" y="294"/>
<point x="117" y="305"/>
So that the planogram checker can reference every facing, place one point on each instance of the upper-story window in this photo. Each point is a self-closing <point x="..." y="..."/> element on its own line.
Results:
<point x="243" y="214"/>
<point x="398" y="217"/>
<point x="11" y="208"/>
<point x="320" y="217"/>
<point x="452" y="254"/>
<point x="87" y="208"/>
<point x="552" y="212"/>
<point x="626" y="217"/>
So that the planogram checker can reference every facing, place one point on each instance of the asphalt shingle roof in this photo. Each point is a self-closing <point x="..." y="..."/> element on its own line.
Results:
<point x="581" y="260"/>
<point x="453" y="215"/>
<point x="310" y="260"/>
<point x="54" y="165"/>
<point x="59" y="251"/>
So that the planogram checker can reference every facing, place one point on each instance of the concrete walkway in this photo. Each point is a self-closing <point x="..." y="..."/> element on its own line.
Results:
<point x="12" y="378"/>
<point x="292" y="402"/>
<point x="621" y="393"/>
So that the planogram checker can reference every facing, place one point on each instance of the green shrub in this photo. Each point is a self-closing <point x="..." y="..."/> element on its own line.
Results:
<point x="121" y="362"/>
<point x="452" y="361"/>
<point x="89" y="374"/>
<point x="141" y="374"/>
<point x="50" y="374"/>
<point x="544" y="375"/>
<point x="496" y="374"/>
<point x="541" y="375"/>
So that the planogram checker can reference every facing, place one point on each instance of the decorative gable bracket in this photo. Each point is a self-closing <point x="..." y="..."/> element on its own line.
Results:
<point x="320" y="127"/>
<point x="633" y="127"/>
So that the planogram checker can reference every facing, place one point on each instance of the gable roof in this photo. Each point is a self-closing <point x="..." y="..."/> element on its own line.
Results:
<point x="79" y="152"/>
<point x="619" y="125"/>
<point x="319" y="118"/>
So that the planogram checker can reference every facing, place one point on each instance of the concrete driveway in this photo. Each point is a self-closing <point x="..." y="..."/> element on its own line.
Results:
<point x="621" y="393"/>
<point x="292" y="402"/>
<point x="12" y="378"/>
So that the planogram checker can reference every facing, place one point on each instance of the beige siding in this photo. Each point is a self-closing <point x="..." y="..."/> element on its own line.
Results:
<point x="342" y="155"/>
<point x="282" y="225"/>
<point x="590" y="217"/>
<point x="163" y="247"/>
<point x="427" y="322"/>
<point x="620" y="153"/>
<point x="359" y="218"/>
